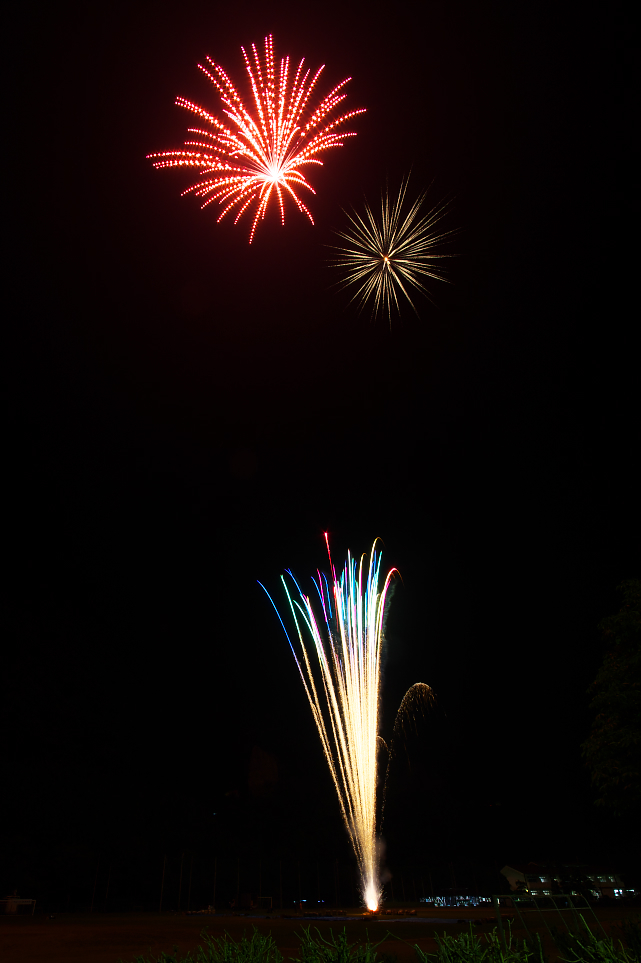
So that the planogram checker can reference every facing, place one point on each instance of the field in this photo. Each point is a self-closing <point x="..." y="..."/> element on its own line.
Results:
<point x="108" y="938"/>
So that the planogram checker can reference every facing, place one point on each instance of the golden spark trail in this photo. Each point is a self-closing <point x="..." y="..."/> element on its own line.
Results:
<point x="348" y="650"/>
<point x="391" y="253"/>
<point x="256" y="154"/>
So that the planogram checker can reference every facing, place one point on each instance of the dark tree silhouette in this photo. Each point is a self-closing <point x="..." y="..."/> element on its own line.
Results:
<point x="612" y="751"/>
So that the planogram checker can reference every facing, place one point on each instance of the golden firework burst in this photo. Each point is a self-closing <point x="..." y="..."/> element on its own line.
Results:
<point x="389" y="253"/>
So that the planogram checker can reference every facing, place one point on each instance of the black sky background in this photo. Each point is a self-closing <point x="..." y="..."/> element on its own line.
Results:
<point x="187" y="414"/>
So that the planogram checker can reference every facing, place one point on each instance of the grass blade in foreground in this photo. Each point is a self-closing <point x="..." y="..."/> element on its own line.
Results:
<point x="258" y="948"/>
<point x="334" y="949"/>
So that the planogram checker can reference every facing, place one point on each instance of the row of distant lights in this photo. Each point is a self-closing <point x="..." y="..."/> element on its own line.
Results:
<point x="594" y="879"/>
<point x="595" y="892"/>
<point x="461" y="900"/>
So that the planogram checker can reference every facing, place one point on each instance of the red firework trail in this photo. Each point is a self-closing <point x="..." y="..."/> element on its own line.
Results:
<point x="255" y="155"/>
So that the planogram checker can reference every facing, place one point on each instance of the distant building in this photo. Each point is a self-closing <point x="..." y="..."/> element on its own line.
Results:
<point x="456" y="899"/>
<point x="540" y="879"/>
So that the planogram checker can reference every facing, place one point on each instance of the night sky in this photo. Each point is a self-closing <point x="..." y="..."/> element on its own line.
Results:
<point x="188" y="414"/>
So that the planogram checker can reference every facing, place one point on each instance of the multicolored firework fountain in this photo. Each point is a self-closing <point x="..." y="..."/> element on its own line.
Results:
<point x="348" y="649"/>
<point x="259" y="151"/>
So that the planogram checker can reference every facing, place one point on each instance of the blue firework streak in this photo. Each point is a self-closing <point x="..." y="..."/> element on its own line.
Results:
<point x="347" y="641"/>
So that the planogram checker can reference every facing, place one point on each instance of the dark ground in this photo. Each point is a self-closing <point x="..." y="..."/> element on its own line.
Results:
<point x="108" y="939"/>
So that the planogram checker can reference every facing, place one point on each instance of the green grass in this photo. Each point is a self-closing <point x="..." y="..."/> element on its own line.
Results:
<point x="586" y="947"/>
<point x="335" y="949"/>
<point x="470" y="948"/>
<point x="257" y="948"/>
<point x="581" y="947"/>
<point x="254" y="949"/>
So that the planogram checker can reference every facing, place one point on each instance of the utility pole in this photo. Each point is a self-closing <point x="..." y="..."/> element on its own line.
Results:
<point x="94" y="886"/>
<point x="162" y="884"/>
<point x="180" y="882"/>
<point x="191" y="869"/>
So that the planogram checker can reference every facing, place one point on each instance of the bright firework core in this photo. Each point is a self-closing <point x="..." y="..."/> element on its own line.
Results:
<point x="348" y="650"/>
<point x="257" y="152"/>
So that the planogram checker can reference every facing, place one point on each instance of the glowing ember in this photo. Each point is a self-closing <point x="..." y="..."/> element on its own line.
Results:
<point x="258" y="152"/>
<point x="347" y="717"/>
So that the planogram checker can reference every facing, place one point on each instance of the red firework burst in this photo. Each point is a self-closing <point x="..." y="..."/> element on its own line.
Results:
<point x="259" y="153"/>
